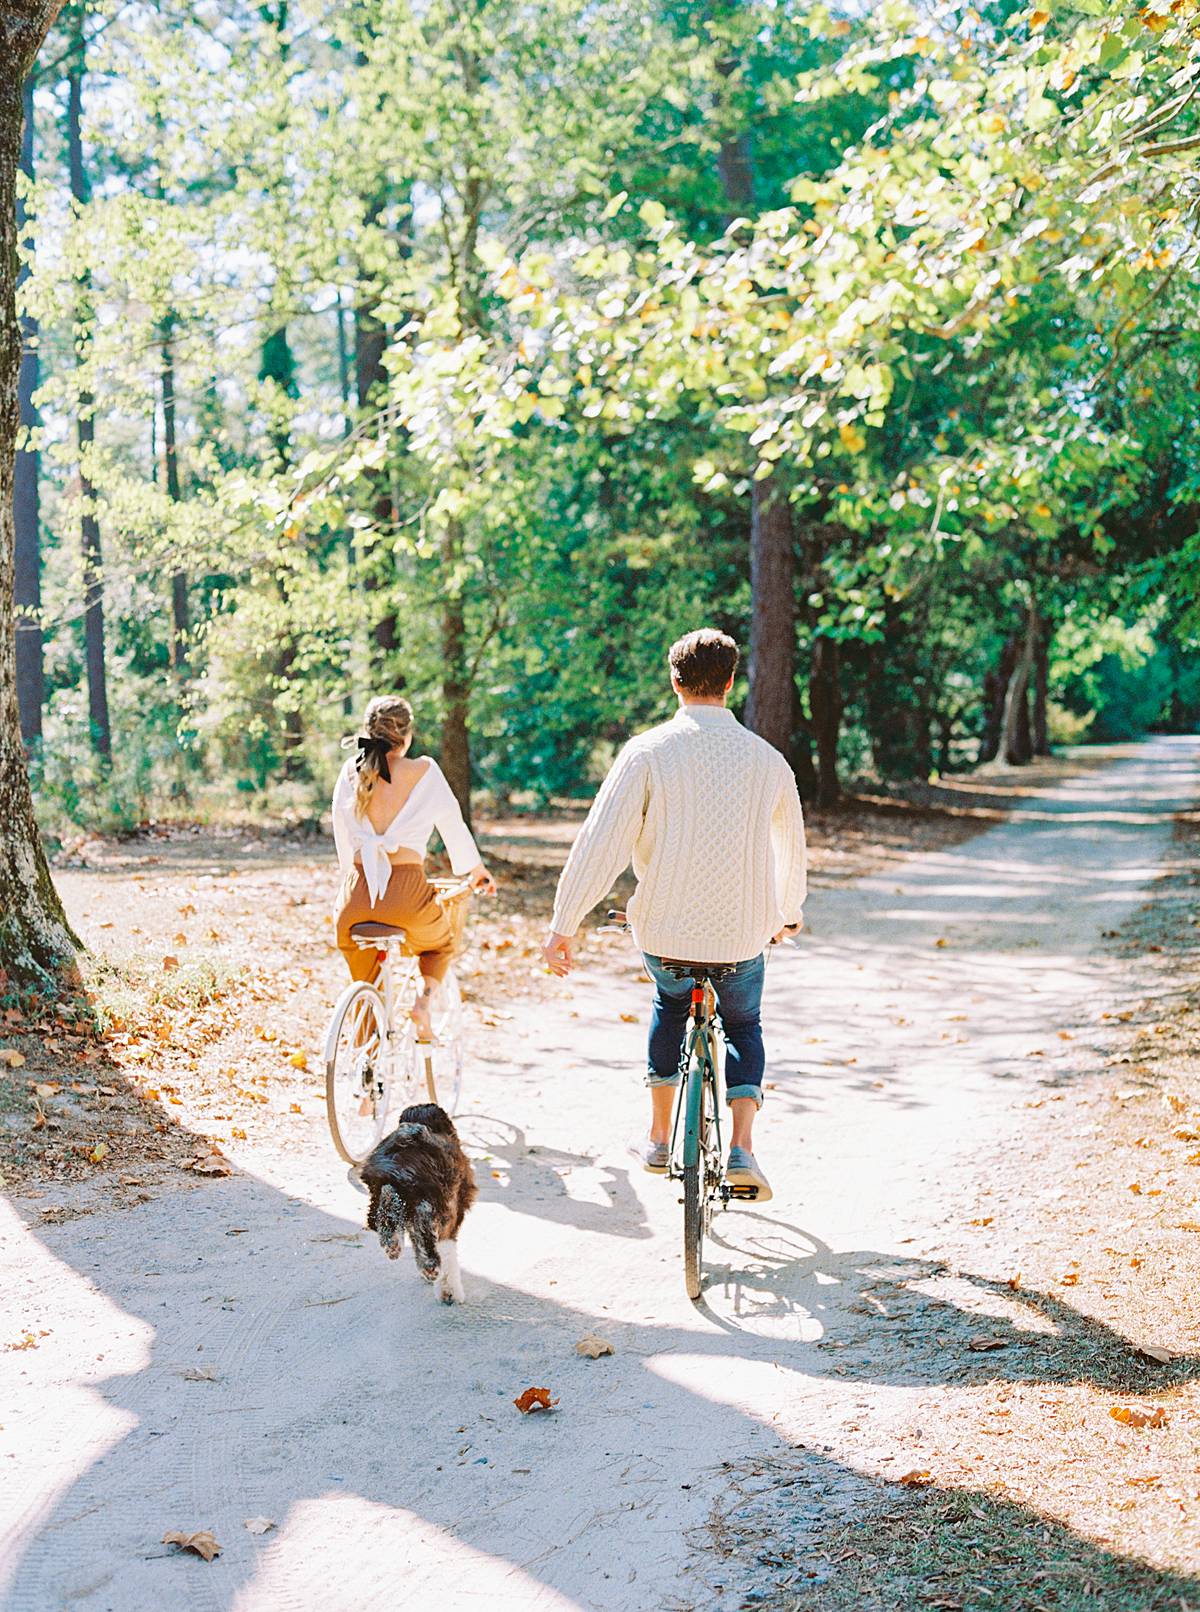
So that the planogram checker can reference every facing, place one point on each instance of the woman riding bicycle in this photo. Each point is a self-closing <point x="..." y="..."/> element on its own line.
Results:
<point x="386" y="805"/>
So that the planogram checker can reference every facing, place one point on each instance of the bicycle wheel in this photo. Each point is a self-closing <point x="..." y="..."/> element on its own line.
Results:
<point x="431" y="1071"/>
<point x="448" y="1043"/>
<point x="356" y="1057"/>
<point x="695" y="1182"/>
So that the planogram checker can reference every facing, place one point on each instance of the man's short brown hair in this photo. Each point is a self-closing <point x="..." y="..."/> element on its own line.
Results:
<point x="703" y="662"/>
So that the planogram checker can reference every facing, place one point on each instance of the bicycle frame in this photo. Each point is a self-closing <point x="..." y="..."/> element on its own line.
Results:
<point x="701" y="1069"/>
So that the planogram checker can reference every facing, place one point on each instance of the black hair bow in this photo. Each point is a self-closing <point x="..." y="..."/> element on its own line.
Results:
<point x="377" y="749"/>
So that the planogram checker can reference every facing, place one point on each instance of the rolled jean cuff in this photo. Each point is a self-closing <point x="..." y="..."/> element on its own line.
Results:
<point x="734" y="1092"/>
<point x="653" y="1079"/>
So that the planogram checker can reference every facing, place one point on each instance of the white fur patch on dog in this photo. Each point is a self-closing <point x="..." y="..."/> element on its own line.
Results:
<point x="450" y="1287"/>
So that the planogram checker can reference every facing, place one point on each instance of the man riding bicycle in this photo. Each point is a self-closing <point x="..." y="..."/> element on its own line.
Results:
<point x="710" y="815"/>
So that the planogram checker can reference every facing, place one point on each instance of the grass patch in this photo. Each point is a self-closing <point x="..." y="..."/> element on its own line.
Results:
<point x="137" y="992"/>
<point x="967" y="1552"/>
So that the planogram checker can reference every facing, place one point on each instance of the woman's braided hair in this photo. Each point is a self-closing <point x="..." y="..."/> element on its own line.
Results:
<point x="389" y="719"/>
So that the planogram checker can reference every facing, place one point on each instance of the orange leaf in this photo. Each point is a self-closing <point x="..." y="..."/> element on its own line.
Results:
<point x="169" y="963"/>
<point x="535" y="1399"/>
<point x="1037" y="21"/>
<point x="917" y="1479"/>
<point x="299" y="1060"/>
<point x="1136" y="1418"/>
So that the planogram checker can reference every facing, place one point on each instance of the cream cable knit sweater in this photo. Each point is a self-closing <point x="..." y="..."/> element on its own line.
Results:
<point x="710" y="816"/>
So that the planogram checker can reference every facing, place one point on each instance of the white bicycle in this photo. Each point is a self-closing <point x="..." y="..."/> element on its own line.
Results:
<point x="375" y="1065"/>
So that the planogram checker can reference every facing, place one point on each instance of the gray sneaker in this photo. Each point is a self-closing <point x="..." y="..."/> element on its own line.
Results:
<point x="742" y="1171"/>
<point x="655" y="1156"/>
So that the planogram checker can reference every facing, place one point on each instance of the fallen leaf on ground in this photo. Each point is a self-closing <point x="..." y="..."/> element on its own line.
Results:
<point x="1154" y="1351"/>
<point x="629" y="1018"/>
<point x="11" y="1057"/>
<point x="211" y="1163"/>
<point x="1136" y="1418"/>
<point x="199" y="1374"/>
<point x="593" y="1347"/>
<point x="1147" y="1480"/>
<point x="169" y="963"/>
<point x="299" y="1060"/>
<point x="917" y="1479"/>
<point x="99" y="1152"/>
<point x="47" y="1088"/>
<point x="201" y="1542"/>
<point x="534" y="1399"/>
<point x="979" y="1345"/>
<point x="1069" y="1278"/>
<point x="1014" y="1281"/>
<point x="258" y="1525"/>
<point x="984" y="1220"/>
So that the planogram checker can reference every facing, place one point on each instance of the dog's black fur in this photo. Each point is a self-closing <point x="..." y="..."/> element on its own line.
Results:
<point x="420" y="1181"/>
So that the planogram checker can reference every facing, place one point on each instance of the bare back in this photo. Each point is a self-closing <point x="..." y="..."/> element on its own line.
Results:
<point x="388" y="800"/>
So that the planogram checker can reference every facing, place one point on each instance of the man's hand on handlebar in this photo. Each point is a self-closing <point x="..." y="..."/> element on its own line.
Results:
<point x="557" y="954"/>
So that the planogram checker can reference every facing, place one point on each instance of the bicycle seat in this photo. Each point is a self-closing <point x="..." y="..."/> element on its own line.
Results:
<point x="697" y="971"/>
<point x="370" y="931"/>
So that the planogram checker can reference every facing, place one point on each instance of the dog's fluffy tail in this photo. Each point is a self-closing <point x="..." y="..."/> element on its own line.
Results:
<point x="424" y="1240"/>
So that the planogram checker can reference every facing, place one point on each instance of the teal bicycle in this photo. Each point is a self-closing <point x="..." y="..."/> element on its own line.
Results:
<point x="695" y="1153"/>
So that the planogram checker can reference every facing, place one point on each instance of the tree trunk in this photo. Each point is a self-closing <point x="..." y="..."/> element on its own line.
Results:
<point x="771" y="706"/>
<point x="370" y="377"/>
<point x="180" y="621"/>
<point x="36" y="943"/>
<point x="93" y="558"/>
<point x="456" y="682"/>
<point x="995" y="688"/>
<point x="1014" y="728"/>
<point x="27" y="577"/>
<point x="825" y="705"/>
<point x="771" y="667"/>
<point x="1041" y="678"/>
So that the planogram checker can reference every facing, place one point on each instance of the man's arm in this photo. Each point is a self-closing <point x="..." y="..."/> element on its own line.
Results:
<point x="601" y="850"/>
<point x="791" y="853"/>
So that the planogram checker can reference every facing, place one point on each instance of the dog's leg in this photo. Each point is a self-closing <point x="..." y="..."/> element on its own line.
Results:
<point x="450" y="1288"/>
<point x="424" y="1240"/>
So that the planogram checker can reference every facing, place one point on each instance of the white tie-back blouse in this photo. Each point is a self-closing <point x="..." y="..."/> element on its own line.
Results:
<point x="431" y="805"/>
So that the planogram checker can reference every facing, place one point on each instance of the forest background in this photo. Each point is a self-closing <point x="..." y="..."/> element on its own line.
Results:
<point x="477" y="348"/>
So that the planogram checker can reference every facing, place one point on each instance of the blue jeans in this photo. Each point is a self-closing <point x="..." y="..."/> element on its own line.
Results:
<point x="739" y="1001"/>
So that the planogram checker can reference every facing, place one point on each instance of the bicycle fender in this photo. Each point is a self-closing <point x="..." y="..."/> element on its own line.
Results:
<point x="691" y="1128"/>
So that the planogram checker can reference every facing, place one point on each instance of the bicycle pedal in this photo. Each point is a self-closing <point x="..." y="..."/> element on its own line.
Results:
<point x="747" y="1193"/>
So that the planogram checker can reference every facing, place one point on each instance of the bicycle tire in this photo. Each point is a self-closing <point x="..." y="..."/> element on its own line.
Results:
<point x="694" y="1180"/>
<point x="356" y="1094"/>
<point x="448" y="1054"/>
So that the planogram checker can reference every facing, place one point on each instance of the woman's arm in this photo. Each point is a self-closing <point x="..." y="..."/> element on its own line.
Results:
<point x="342" y="816"/>
<point x="465" y="860"/>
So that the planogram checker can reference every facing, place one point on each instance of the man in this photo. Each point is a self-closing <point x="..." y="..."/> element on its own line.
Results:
<point x="710" y="815"/>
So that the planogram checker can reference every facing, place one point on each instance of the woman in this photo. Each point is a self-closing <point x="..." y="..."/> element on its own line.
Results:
<point x="385" y="806"/>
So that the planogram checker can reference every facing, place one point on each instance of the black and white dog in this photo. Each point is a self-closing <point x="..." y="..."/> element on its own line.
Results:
<point x="421" y="1181"/>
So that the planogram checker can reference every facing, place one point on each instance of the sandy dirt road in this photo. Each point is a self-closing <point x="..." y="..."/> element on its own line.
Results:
<point x="243" y="1350"/>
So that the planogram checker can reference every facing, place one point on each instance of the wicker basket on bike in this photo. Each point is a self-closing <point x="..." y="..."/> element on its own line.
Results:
<point x="454" y="898"/>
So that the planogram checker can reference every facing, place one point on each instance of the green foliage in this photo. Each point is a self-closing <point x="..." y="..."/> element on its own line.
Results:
<point x="474" y="372"/>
